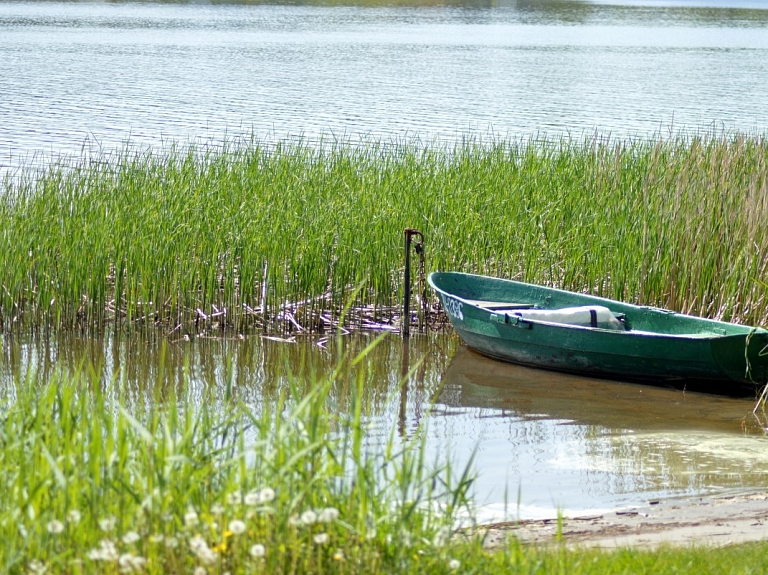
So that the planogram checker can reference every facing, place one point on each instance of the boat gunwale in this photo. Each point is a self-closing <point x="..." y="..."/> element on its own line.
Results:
<point x="743" y="330"/>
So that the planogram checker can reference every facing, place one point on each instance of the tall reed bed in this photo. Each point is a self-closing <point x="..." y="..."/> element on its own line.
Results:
<point x="248" y="237"/>
<point x="91" y="484"/>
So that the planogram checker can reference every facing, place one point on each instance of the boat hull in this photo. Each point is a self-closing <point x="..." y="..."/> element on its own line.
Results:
<point x="658" y="345"/>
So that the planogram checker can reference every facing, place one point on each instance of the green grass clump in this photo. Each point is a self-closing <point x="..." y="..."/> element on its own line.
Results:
<point x="251" y="237"/>
<point x="90" y="485"/>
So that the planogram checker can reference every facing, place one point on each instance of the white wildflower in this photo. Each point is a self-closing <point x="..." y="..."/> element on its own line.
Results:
<point x="251" y="499"/>
<point x="258" y="550"/>
<point x="37" y="567"/>
<point x="237" y="527"/>
<point x="204" y="553"/>
<point x="234" y="498"/>
<point x="207" y="556"/>
<point x="106" y="551"/>
<point x="131" y="537"/>
<point x="200" y="571"/>
<point x="328" y="515"/>
<point x="294" y="521"/>
<point x="129" y="563"/>
<point x="320" y="538"/>
<point x="266" y="495"/>
<point x="217" y="509"/>
<point x="190" y="518"/>
<point x="454" y="564"/>
<point x="197" y="542"/>
<point x="308" y="517"/>
<point x="107" y="524"/>
<point x="55" y="527"/>
<point x="73" y="516"/>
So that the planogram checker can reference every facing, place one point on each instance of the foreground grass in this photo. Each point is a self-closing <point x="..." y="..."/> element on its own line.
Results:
<point x="248" y="238"/>
<point x="92" y="484"/>
<point x="175" y="485"/>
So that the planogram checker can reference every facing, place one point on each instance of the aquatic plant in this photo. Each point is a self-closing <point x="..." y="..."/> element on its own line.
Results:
<point x="247" y="238"/>
<point x="89" y="484"/>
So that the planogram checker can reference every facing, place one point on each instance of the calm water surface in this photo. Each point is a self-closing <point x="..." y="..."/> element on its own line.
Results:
<point x="98" y="74"/>
<point x="542" y="442"/>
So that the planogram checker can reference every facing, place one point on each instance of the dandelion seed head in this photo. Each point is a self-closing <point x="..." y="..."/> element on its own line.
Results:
<point x="321" y="538"/>
<point x="234" y="498"/>
<point x="251" y="499"/>
<point x="454" y="564"/>
<point x="200" y="571"/>
<point x="107" y="524"/>
<point x="237" y="527"/>
<point x="73" y="516"/>
<point x="328" y="515"/>
<point x="171" y="542"/>
<point x="197" y="542"/>
<point x="190" y="518"/>
<point x="258" y="550"/>
<point x="308" y="517"/>
<point x="207" y="556"/>
<point x="266" y="495"/>
<point x="55" y="527"/>
<point x="129" y="563"/>
<point x="37" y="567"/>
<point x="106" y="551"/>
<point x="217" y="509"/>
<point x="131" y="537"/>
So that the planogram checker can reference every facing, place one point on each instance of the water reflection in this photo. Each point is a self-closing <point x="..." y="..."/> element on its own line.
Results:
<point x="541" y="441"/>
<point x="576" y="443"/>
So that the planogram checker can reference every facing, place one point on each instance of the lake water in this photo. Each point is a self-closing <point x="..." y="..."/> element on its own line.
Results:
<point x="98" y="74"/>
<point x="542" y="442"/>
<point x="95" y="75"/>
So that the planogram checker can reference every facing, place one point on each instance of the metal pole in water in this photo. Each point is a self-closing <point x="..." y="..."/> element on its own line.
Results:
<point x="405" y="323"/>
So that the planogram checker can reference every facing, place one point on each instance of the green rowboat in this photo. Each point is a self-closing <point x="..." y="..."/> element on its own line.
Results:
<point x="560" y="330"/>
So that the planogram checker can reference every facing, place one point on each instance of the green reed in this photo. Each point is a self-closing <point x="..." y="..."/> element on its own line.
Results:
<point x="185" y="237"/>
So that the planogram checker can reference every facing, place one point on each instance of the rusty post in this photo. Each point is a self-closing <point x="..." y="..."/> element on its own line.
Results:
<point x="405" y="323"/>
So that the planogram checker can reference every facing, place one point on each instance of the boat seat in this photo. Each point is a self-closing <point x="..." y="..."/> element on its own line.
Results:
<point x="584" y="316"/>
<point x="499" y="305"/>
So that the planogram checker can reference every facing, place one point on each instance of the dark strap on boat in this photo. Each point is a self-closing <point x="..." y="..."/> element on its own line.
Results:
<point x="593" y="317"/>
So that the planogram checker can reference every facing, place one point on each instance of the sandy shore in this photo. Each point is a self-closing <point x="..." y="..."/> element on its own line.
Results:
<point x="712" y="521"/>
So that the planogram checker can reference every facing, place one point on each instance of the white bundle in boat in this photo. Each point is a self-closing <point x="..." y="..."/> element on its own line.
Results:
<point x="586" y="316"/>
